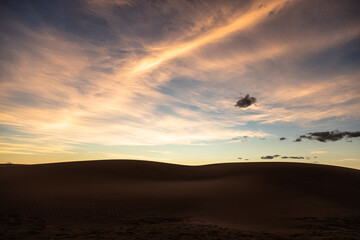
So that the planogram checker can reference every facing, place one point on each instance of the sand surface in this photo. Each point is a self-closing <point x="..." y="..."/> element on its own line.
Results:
<point x="128" y="199"/>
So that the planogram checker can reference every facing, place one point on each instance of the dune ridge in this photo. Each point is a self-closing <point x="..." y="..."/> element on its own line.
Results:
<point x="251" y="196"/>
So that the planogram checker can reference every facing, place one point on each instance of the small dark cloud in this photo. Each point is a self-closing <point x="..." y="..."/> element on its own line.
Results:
<point x="239" y="139"/>
<point x="315" y="156"/>
<point x="270" y="157"/>
<point x="245" y="102"/>
<point x="239" y="158"/>
<point x="328" y="136"/>
<point x="285" y="157"/>
<point x="246" y="159"/>
<point x="262" y="138"/>
<point x="282" y="138"/>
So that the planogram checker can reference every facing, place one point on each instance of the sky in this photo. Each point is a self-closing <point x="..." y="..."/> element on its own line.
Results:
<point x="186" y="82"/>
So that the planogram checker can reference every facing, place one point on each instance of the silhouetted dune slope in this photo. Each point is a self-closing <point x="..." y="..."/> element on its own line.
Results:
<point x="236" y="194"/>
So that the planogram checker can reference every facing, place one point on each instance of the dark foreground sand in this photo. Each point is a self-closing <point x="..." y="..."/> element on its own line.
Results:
<point x="127" y="199"/>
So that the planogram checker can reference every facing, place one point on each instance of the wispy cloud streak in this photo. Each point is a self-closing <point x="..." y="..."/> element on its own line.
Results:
<point x="253" y="16"/>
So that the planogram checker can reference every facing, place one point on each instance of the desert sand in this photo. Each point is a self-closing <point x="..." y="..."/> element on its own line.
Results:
<point x="131" y="199"/>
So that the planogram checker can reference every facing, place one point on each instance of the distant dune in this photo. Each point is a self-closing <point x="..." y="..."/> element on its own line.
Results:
<point x="128" y="199"/>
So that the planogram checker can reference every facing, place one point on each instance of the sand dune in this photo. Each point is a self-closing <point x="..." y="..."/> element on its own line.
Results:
<point x="165" y="201"/>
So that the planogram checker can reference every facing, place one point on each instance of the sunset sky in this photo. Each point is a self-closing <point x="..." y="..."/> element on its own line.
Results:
<point x="159" y="80"/>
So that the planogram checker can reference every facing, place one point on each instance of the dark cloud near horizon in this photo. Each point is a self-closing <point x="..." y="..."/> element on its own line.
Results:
<point x="270" y="156"/>
<point x="240" y="139"/>
<point x="328" y="136"/>
<point x="282" y="138"/>
<point x="245" y="102"/>
<point x="285" y="157"/>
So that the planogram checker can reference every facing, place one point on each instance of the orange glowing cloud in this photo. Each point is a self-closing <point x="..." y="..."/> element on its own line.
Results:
<point x="253" y="16"/>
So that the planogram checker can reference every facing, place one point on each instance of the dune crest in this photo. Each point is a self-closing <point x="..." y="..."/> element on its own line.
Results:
<point x="247" y="196"/>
